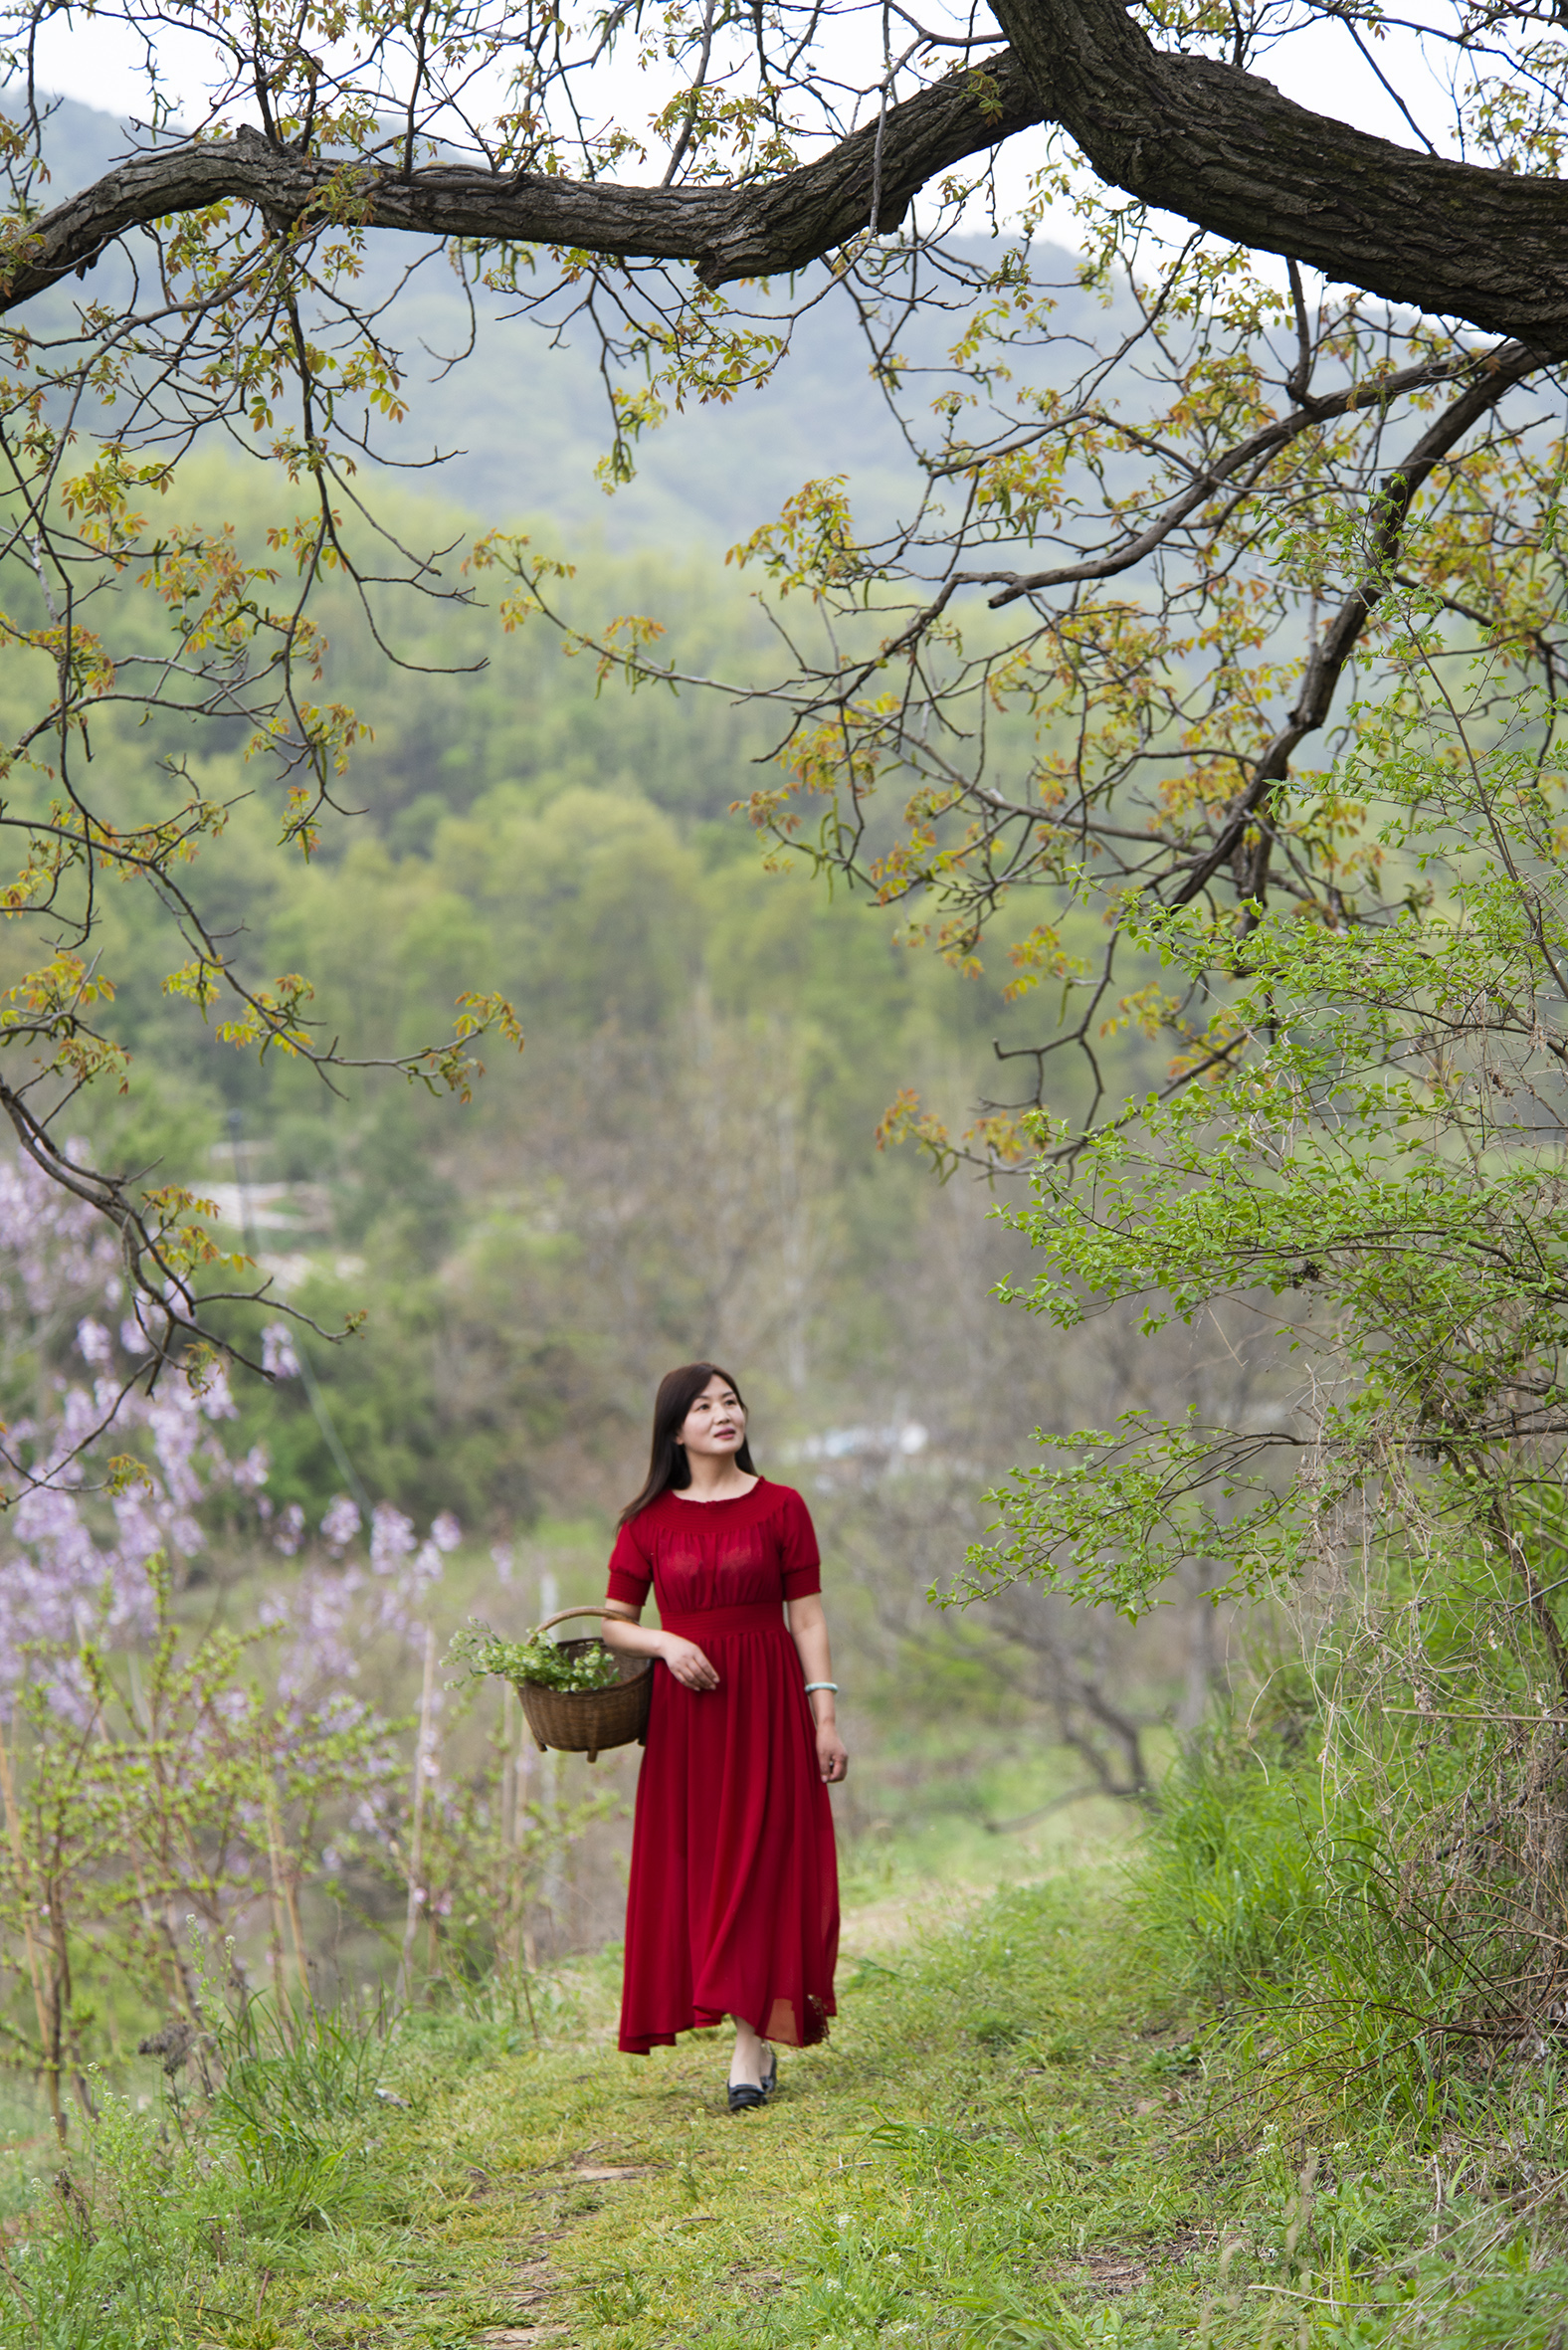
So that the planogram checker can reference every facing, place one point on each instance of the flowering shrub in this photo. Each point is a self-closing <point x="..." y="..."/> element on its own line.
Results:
<point x="84" y="1521"/>
<point x="151" y="1775"/>
<point x="144" y="1789"/>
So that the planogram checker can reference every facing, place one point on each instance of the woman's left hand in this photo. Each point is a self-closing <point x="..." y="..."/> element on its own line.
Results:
<point x="832" y="1759"/>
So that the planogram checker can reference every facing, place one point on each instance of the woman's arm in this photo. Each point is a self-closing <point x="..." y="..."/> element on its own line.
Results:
<point x="625" y="1630"/>
<point x="808" y="1631"/>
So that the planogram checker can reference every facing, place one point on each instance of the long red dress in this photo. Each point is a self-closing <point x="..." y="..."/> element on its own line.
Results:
<point x="734" y="1903"/>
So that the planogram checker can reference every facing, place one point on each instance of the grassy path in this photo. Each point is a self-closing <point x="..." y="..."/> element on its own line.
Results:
<point x="991" y="2113"/>
<point x="1015" y="2140"/>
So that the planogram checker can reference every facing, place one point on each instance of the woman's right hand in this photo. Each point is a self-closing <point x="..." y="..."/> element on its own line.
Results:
<point x="687" y="1662"/>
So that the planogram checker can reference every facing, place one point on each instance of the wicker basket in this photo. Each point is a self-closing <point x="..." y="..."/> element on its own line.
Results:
<point x="586" y="1721"/>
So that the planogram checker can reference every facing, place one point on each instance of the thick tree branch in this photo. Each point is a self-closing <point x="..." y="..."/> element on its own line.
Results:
<point x="1216" y="145"/>
<point x="1225" y="150"/>
<point x="751" y="229"/>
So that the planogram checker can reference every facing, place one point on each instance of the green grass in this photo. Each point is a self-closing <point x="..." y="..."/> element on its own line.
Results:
<point x="1020" y="2135"/>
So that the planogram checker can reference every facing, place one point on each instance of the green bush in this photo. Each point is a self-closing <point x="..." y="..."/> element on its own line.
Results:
<point x="1261" y="1884"/>
<point x="1233" y="1880"/>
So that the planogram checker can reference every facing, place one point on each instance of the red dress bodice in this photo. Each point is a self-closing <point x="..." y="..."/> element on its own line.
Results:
<point x="702" y="1555"/>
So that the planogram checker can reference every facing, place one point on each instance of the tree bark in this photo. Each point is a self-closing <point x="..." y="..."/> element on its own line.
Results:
<point x="750" y="230"/>
<point x="1225" y="150"/>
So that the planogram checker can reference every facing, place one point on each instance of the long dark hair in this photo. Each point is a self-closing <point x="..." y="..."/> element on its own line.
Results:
<point x="668" y="1471"/>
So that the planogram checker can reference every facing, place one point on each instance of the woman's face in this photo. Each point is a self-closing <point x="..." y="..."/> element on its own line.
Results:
<point x="716" y="1421"/>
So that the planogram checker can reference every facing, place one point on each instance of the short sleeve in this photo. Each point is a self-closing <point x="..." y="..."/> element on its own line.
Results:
<point x="631" y="1569"/>
<point x="802" y="1560"/>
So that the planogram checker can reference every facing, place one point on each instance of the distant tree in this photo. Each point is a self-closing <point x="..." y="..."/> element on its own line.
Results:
<point x="1084" y="666"/>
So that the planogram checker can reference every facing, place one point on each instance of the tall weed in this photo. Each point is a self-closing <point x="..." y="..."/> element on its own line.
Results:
<point x="161" y="2214"/>
<point x="295" y="2091"/>
<point x="1233" y="1883"/>
<point x="1259" y="1882"/>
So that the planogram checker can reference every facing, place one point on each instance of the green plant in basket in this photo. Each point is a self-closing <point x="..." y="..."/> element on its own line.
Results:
<point x="536" y="1660"/>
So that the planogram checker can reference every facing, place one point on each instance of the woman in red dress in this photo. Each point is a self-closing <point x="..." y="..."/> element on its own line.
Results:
<point x="734" y="1903"/>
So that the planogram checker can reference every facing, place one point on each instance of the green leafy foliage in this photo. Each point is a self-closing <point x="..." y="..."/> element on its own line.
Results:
<point x="543" y="1663"/>
<point x="1372" y="1177"/>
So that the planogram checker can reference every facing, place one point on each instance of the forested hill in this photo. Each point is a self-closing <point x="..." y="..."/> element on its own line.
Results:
<point x="683" y="1161"/>
<point x="523" y="421"/>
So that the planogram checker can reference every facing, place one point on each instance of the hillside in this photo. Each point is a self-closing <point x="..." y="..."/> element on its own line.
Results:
<point x="521" y="423"/>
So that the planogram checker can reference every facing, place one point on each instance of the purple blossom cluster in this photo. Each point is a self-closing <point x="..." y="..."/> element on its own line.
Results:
<point x="334" y="1606"/>
<point x="322" y="1774"/>
<point x="51" y="1244"/>
<point x="73" y="1563"/>
<point x="279" y="1358"/>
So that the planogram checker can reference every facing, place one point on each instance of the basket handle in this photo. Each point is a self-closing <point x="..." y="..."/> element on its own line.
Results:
<point x="605" y="1608"/>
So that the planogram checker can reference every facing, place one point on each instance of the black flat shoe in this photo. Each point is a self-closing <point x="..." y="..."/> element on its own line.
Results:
<point x="770" y="2078"/>
<point x="742" y="2096"/>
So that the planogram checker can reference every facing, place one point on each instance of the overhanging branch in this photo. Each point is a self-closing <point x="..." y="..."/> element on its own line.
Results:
<point x="1218" y="147"/>
<point x="751" y="229"/>
<point x="1331" y="653"/>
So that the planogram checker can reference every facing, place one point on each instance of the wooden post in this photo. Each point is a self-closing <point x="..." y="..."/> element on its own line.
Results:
<point x="284" y="1890"/>
<point x="415" y="1852"/>
<point x="274" y="1944"/>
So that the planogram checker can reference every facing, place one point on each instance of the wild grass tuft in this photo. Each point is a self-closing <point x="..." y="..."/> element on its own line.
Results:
<point x="1233" y="1886"/>
<point x="156" y="2215"/>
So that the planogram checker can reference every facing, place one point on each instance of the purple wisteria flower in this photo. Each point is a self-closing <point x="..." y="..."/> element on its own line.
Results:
<point x="278" y="1352"/>
<point x="391" y="1537"/>
<point x="93" y="1342"/>
<point x="77" y="1553"/>
<point x="341" y="1523"/>
<point x="74" y="1561"/>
